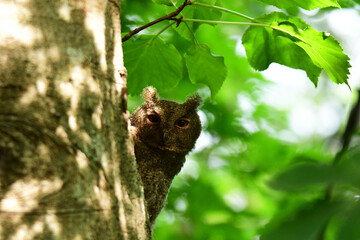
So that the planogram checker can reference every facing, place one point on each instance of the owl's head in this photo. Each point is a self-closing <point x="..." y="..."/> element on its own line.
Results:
<point x="167" y="125"/>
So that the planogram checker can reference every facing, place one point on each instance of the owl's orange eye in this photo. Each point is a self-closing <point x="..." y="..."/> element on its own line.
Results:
<point x="154" y="118"/>
<point x="182" y="123"/>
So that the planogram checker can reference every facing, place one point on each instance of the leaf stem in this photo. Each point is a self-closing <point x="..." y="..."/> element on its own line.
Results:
<point x="187" y="25"/>
<point x="350" y="129"/>
<point x="166" y="17"/>
<point x="162" y="30"/>
<point x="225" y="10"/>
<point x="223" y="22"/>
<point x="256" y="24"/>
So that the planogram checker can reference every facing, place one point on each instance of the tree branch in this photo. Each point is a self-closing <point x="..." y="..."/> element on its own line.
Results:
<point x="345" y="141"/>
<point x="166" y="17"/>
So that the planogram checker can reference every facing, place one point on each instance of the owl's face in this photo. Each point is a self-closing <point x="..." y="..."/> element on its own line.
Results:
<point x="167" y="125"/>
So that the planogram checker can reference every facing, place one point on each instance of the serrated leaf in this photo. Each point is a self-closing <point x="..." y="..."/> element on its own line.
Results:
<point x="203" y="67"/>
<point x="150" y="61"/>
<point x="163" y="2"/>
<point x="290" y="41"/>
<point x="326" y="53"/>
<point x="308" y="4"/>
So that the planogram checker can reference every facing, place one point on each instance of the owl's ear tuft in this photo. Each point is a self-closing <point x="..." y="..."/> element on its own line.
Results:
<point x="150" y="94"/>
<point x="193" y="101"/>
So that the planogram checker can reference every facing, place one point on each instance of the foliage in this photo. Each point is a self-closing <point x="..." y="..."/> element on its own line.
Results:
<point x="274" y="37"/>
<point x="164" y="63"/>
<point x="213" y="68"/>
<point x="308" y="5"/>
<point x="250" y="181"/>
<point x="305" y="48"/>
<point x="312" y="217"/>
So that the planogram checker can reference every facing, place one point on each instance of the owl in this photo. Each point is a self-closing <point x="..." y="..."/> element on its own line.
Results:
<point x="163" y="132"/>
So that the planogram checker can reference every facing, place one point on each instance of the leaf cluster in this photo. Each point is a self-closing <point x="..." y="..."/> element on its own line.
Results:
<point x="274" y="37"/>
<point x="240" y="186"/>
<point x="309" y="177"/>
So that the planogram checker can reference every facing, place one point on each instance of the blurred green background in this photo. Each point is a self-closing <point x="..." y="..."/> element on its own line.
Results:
<point x="257" y="126"/>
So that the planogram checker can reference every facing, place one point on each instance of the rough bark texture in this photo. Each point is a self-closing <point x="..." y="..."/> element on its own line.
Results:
<point x="67" y="168"/>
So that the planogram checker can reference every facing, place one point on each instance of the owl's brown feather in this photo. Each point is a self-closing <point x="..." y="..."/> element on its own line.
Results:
<point x="163" y="132"/>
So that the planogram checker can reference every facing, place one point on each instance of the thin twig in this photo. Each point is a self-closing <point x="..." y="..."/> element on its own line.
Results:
<point x="166" y="17"/>
<point x="345" y="141"/>
<point x="225" y="10"/>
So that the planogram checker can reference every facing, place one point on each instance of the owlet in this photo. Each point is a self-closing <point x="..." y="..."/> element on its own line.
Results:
<point x="163" y="132"/>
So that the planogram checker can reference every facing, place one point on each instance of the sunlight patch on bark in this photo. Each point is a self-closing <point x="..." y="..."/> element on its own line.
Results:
<point x="96" y="117"/>
<point x="122" y="213"/>
<point x="53" y="223"/>
<point x="29" y="96"/>
<point x="81" y="160"/>
<point x="72" y="122"/>
<point x="65" y="11"/>
<point x="105" y="162"/>
<point x="95" y="22"/>
<point x="103" y="197"/>
<point x="12" y="17"/>
<point x="26" y="232"/>
<point x="24" y="194"/>
<point x="66" y="89"/>
<point x="78" y="78"/>
<point x="85" y="137"/>
<point x="60" y="132"/>
<point x="42" y="57"/>
<point x="78" y="237"/>
<point x="44" y="152"/>
<point x="41" y="86"/>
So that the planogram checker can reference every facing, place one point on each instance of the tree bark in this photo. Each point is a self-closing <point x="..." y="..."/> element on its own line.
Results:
<point x="67" y="167"/>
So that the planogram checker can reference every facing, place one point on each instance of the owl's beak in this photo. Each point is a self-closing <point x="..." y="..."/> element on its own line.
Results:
<point x="165" y="137"/>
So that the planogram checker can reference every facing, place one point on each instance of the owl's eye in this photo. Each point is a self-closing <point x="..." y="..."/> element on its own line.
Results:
<point x="153" y="118"/>
<point x="182" y="123"/>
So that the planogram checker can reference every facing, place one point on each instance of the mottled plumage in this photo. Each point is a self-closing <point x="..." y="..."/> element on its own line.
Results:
<point x="163" y="132"/>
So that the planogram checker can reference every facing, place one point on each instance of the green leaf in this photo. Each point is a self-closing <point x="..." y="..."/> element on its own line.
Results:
<point x="305" y="225"/>
<point x="203" y="67"/>
<point x="150" y="61"/>
<point x="291" y="42"/>
<point x="308" y="4"/>
<point x="304" y="175"/>
<point x="326" y="53"/>
<point x="349" y="228"/>
<point x="187" y="29"/>
<point x="207" y="13"/>
<point x="307" y="175"/>
<point x="164" y="2"/>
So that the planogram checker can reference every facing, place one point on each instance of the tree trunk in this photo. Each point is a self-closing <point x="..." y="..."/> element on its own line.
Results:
<point x="67" y="168"/>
